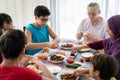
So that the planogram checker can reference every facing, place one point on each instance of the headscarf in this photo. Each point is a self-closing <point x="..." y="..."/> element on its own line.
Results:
<point x="112" y="45"/>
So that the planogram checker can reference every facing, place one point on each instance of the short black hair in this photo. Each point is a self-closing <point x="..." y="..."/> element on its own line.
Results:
<point x="12" y="42"/>
<point x="106" y="64"/>
<point x="4" y="18"/>
<point x="41" y="11"/>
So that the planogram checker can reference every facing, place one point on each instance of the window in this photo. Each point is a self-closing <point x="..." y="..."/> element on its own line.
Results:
<point x="69" y="14"/>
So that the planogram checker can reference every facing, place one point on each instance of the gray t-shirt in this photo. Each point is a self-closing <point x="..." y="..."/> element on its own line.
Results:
<point x="99" y="30"/>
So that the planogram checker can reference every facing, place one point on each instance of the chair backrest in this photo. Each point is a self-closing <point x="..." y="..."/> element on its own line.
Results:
<point x="24" y="27"/>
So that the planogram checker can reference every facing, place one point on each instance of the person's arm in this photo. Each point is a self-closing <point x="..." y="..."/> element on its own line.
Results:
<point x="91" y="35"/>
<point x="79" y="35"/>
<point x="80" y="71"/>
<point x="78" y="48"/>
<point x="80" y="30"/>
<point x="33" y="46"/>
<point x="96" y="45"/>
<point x="47" y="75"/>
<point x="53" y="36"/>
<point x="52" y="33"/>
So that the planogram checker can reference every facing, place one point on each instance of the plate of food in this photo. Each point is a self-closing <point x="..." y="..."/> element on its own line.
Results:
<point x="34" y="68"/>
<point x="42" y="55"/>
<point x="67" y="46"/>
<point x="66" y="75"/>
<point x="85" y="49"/>
<point x="87" y="54"/>
<point x="54" y="68"/>
<point x="56" y="58"/>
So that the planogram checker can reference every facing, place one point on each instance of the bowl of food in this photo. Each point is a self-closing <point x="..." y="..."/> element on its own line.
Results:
<point x="57" y="58"/>
<point x="87" y="54"/>
<point x="67" y="45"/>
<point x="54" y="68"/>
<point x="42" y="55"/>
<point x="66" y="75"/>
<point x="34" y="68"/>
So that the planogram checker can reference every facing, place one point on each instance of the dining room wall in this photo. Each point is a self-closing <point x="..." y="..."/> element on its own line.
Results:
<point x="21" y="11"/>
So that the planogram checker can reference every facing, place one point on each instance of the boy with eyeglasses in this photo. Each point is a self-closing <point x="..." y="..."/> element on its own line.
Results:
<point x="38" y="32"/>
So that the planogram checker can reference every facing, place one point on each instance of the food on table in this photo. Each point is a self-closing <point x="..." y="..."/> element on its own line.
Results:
<point x="74" y="65"/>
<point x="81" y="60"/>
<point x="88" y="59"/>
<point x="56" y="58"/>
<point x="68" y="76"/>
<point x="85" y="42"/>
<point x="42" y="55"/>
<point x="70" y="60"/>
<point x="67" y="45"/>
<point x="87" y="54"/>
<point x="85" y="49"/>
<point x="34" y="68"/>
<point x="60" y="52"/>
<point x="54" y="68"/>
<point x="73" y="55"/>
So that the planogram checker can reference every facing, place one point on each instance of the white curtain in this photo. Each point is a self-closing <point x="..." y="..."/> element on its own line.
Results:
<point x="71" y="12"/>
<point x="21" y="11"/>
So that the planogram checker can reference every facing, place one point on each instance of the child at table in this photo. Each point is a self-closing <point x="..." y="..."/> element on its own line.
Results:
<point x="103" y="67"/>
<point x="111" y="46"/>
<point x="12" y="44"/>
<point x="39" y="32"/>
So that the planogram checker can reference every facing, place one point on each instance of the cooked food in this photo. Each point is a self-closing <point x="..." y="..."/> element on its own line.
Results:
<point x="43" y="55"/>
<point x="56" y="58"/>
<point x="34" y="68"/>
<point x="67" y="45"/>
<point x="54" y="69"/>
<point x="85" y="49"/>
<point x="60" y="52"/>
<point x="68" y="76"/>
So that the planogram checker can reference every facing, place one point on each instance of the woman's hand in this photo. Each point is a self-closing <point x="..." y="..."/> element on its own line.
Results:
<point x="79" y="35"/>
<point x="91" y="35"/>
<point x="75" y="49"/>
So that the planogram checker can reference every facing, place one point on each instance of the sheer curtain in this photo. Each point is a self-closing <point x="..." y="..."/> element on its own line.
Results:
<point x="21" y="11"/>
<point x="71" y="12"/>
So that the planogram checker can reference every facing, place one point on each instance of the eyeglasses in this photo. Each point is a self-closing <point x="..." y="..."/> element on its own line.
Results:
<point x="44" y="19"/>
<point x="92" y="14"/>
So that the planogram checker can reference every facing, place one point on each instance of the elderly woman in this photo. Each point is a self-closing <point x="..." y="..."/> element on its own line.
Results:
<point x="94" y="27"/>
<point x="111" y="45"/>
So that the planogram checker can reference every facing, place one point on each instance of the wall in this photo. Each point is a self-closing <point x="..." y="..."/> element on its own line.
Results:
<point x="21" y="11"/>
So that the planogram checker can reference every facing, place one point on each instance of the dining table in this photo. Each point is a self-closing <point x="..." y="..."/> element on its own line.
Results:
<point x="63" y="65"/>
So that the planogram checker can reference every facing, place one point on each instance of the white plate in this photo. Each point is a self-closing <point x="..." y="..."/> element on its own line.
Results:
<point x="85" y="49"/>
<point x="87" y="54"/>
<point x="57" y="61"/>
<point x="67" y="48"/>
<point x="63" y="72"/>
<point x="34" y="68"/>
<point x="54" y="68"/>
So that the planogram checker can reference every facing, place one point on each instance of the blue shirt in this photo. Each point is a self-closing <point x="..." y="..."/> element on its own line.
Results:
<point x="38" y="35"/>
